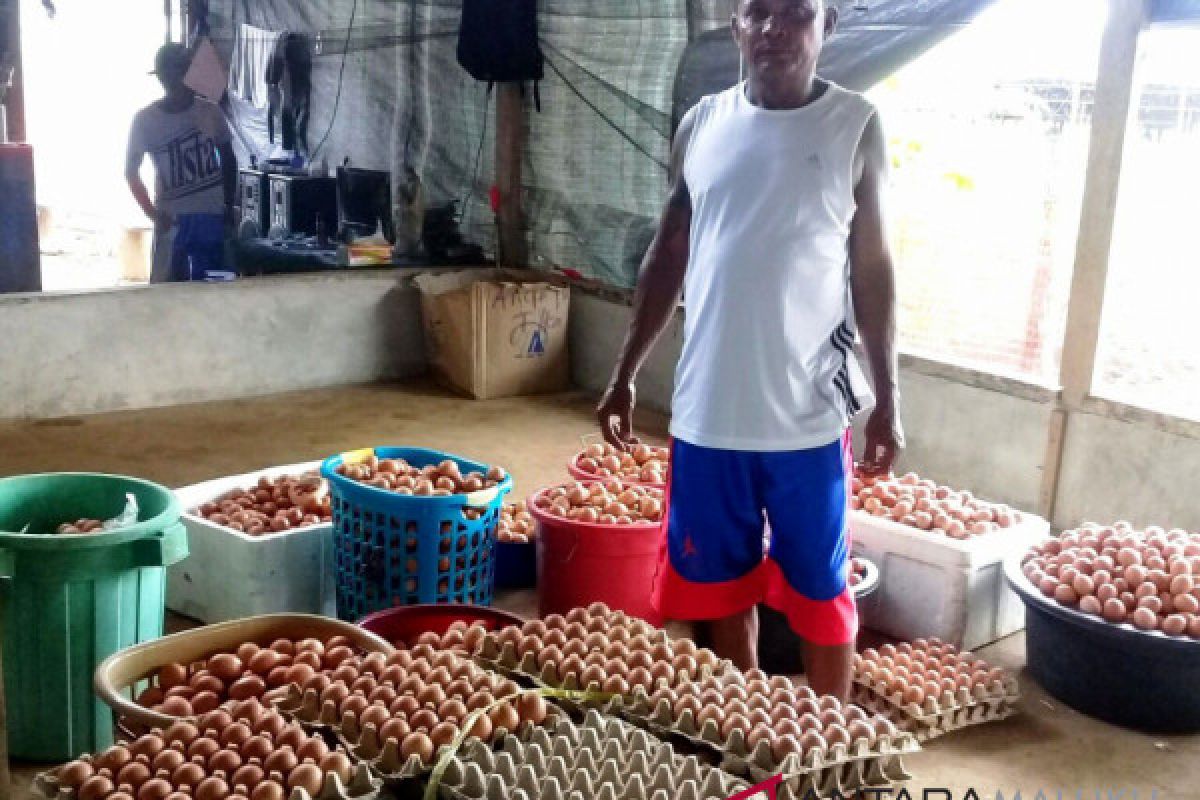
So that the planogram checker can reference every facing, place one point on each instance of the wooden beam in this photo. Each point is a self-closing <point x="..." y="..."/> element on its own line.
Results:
<point x="1110" y="119"/>
<point x="511" y="249"/>
<point x="1085" y="304"/>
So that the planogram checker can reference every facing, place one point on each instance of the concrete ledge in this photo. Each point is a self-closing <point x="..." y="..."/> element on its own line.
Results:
<point x="86" y="352"/>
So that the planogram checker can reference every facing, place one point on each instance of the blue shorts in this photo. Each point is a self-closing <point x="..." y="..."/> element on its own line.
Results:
<point x="719" y="558"/>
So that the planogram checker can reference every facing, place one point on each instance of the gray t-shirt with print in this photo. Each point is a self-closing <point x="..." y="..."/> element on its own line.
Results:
<point x="183" y="146"/>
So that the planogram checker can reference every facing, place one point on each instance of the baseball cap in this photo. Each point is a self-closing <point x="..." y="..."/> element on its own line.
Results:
<point x="171" y="56"/>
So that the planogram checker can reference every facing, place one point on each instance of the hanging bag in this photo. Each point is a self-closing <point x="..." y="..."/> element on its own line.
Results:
<point x="498" y="42"/>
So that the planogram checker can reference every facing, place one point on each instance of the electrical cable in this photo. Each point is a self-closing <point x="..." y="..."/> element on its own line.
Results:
<point x="341" y="73"/>
<point x="470" y="191"/>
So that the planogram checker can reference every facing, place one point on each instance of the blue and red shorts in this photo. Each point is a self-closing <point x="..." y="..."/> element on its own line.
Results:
<point x="718" y="560"/>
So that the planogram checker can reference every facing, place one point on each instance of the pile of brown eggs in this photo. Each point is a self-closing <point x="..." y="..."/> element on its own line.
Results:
<point x="643" y="463"/>
<point x="421" y="698"/>
<point x="397" y="475"/>
<point x="910" y="673"/>
<point x="516" y="525"/>
<point x="81" y="526"/>
<point x="597" y="648"/>
<point x="272" y="505"/>
<point x="608" y="502"/>
<point x="242" y="751"/>
<point x="460" y="638"/>
<point x="251" y="672"/>
<point x="1149" y="579"/>
<point x="920" y="503"/>
<point x="789" y="718"/>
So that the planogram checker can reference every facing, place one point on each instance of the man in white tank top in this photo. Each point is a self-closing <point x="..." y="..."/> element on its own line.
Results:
<point x="773" y="236"/>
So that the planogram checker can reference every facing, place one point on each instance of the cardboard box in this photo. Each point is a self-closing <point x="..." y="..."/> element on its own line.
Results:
<point x="496" y="333"/>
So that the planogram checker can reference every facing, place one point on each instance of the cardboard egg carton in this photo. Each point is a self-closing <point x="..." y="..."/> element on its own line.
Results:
<point x="939" y="714"/>
<point x="506" y="660"/>
<point x="839" y="768"/>
<point x="363" y="785"/>
<point x="363" y="741"/>
<point x="603" y="758"/>
<point x="931" y="726"/>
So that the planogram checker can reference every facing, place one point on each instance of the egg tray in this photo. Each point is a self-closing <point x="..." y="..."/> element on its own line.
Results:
<point x="841" y="768"/>
<point x="363" y="742"/>
<point x="930" y="727"/>
<point x="937" y="715"/>
<point x="506" y="661"/>
<point x="604" y="758"/>
<point x="363" y="785"/>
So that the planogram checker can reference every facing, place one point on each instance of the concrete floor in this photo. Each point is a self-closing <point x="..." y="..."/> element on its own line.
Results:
<point x="1047" y="746"/>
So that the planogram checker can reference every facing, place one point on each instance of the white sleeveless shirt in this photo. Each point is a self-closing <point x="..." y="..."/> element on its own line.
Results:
<point x="767" y="361"/>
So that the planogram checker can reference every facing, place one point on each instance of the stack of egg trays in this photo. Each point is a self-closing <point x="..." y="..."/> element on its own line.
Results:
<point x="363" y="742"/>
<point x="364" y="785"/>
<point x="937" y="715"/>
<point x="841" y="769"/>
<point x="602" y="759"/>
<point x="507" y="662"/>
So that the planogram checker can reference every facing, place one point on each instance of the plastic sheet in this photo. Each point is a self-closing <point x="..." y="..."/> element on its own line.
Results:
<point x="619" y="75"/>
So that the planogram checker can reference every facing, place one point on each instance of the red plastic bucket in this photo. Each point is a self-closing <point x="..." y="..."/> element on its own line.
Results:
<point x="580" y="563"/>
<point x="402" y="625"/>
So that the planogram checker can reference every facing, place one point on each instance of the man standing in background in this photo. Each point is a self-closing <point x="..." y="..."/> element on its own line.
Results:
<point x="189" y="142"/>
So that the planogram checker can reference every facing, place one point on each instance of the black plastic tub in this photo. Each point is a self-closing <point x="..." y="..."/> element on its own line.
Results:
<point x="779" y="647"/>
<point x="1138" y="679"/>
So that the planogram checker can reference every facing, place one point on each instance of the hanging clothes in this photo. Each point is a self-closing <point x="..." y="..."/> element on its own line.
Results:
<point x="254" y="51"/>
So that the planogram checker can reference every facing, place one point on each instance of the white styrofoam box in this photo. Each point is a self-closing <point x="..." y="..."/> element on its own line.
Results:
<point x="932" y="585"/>
<point x="229" y="574"/>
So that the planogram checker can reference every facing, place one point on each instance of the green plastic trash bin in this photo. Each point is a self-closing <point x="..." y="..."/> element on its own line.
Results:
<point x="67" y="602"/>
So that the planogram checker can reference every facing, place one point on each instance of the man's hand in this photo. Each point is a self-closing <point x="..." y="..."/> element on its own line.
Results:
<point x="884" y="440"/>
<point x="615" y="415"/>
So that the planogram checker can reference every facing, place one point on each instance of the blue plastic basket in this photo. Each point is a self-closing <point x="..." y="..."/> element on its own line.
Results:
<point x="393" y="550"/>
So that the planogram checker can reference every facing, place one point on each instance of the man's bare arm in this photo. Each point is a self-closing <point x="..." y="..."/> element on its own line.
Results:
<point x="873" y="285"/>
<point x="659" y="287"/>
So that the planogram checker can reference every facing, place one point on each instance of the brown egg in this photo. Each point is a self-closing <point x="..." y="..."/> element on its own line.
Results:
<point x="154" y="789"/>
<point x="292" y="736"/>
<point x="257" y="747"/>
<point x="404" y="705"/>
<point x="424" y="719"/>
<point x="314" y="748"/>
<point x="376" y="714"/>
<point x="172" y="675"/>
<point x="226" y="761"/>
<point x="204" y="748"/>
<point x="268" y="790"/>
<point x="443" y="734"/>
<point x="248" y="775"/>
<point x="248" y="686"/>
<point x="283" y="760"/>
<point x="176" y="706"/>
<point x="212" y="788"/>
<point x="505" y="716"/>
<point x="419" y="745"/>
<point x="246" y="651"/>
<point x="235" y="734"/>
<point x="339" y="764"/>
<point x="334" y="656"/>
<point x="188" y="775"/>
<point x="226" y="667"/>
<point x="168" y="760"/>
<point x="135" y="773"/>
<point x="306" y="776"/>
<point x="395" y="728"/>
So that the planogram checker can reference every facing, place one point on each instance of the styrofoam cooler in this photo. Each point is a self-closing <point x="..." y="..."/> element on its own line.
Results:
<point x="932" y="585"/>
<point x="230" y="575"/>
